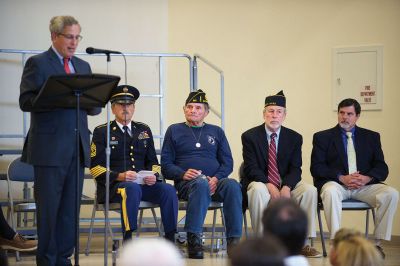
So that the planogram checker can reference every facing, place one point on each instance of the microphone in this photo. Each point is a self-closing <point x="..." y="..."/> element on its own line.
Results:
<point x="91" y="50"/>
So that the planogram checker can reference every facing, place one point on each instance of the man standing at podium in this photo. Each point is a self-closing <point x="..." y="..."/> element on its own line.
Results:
<point x="50" y="145"/>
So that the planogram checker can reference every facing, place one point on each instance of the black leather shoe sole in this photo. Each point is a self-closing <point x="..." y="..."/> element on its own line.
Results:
<point x="196" y="255"/>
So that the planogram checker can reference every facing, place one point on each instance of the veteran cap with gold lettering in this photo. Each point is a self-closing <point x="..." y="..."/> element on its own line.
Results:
<point x="124" y="94"/>
<point x="198" y="96"/>
<point x="278" y="99"/>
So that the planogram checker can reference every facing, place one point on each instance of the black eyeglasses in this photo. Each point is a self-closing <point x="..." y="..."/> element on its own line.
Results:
<point x="71" y="37"/>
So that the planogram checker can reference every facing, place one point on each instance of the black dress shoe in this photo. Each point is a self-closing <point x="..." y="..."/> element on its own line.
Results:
<point x="195" y="247"/>
<point x="231" y="243"/>
<point x="170" y="236"/>
<point x="380" y="249"/>
<point x="3" y="257"/>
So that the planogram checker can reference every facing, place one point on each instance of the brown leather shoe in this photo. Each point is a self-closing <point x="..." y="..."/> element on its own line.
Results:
<point x="18" y="243"/>
<point x="310" y="252"/>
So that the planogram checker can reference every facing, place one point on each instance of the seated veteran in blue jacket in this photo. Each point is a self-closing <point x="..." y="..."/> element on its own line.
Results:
<point x="197" y="157"/>
<point x="347" y="162"/>
<point x="132" y="150"/>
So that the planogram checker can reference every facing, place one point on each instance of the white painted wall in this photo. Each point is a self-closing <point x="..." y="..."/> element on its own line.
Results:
<point x="262" y="46"/>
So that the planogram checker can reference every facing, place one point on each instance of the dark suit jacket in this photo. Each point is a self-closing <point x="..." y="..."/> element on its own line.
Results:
<point x="140" y="154"/>
<point x="329" y="160"/>
<point x="51" y="137"/>
<point x="255" y="156"/>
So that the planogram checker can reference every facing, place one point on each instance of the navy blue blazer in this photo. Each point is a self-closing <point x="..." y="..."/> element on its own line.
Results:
<point x="329" y="159"/>
<point x="51" y="137"/>
<point x="255" y="156"/>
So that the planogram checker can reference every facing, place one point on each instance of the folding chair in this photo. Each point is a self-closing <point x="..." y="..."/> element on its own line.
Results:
<point x="22" y="173"/>
<point x="347" y="205"/>
<point x="241" y="175"/>
<point x="214" y="206"/>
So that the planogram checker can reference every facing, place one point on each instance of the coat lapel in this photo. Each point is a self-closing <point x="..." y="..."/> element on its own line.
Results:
<point x="262" y="145"/>
<point x="282" y="145"/>
<point x="338" y="142"/>
<point x="55" y="62"/>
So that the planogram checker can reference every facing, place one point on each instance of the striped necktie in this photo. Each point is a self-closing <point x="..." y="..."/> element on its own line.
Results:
<point x="351" y="154"/>
<point x="273" y="173"/>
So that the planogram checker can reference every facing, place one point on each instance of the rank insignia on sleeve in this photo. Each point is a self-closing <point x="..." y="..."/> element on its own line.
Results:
<point x="93" y="150"/>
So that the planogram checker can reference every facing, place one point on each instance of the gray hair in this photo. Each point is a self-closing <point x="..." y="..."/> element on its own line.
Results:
<point x="58" y="23"/>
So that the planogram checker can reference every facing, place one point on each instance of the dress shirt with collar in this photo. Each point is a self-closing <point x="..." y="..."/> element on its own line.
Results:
<point x="269" y="132"/>
<point x="344" y="138"/>
<point x="71" y="66"/>
<point x="121" y="126"/>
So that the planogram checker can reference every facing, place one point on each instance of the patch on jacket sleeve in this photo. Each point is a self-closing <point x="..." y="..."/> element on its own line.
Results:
<point x="92" y="150"/>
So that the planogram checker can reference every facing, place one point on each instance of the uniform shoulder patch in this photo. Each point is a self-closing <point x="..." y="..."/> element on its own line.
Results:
<point x="102" y="125"/>
<point x="142" y="124"/>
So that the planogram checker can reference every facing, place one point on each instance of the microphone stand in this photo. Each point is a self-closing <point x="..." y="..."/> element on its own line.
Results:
<point x="107" y="203"/>
<point x="108" y="153"/>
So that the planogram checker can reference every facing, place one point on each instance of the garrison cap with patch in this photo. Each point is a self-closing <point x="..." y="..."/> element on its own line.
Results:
<point x="124" y="94"/>
<point x="198" y="96"/>
<point x="279" y="99"/>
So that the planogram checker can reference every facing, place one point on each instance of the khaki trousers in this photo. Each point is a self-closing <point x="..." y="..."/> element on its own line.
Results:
<point x="380" y="196"/>
<point x="258" y="198"/>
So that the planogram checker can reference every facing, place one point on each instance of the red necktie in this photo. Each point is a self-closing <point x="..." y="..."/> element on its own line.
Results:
<point x="66" y="66"/>
<point x="273" y="173"/>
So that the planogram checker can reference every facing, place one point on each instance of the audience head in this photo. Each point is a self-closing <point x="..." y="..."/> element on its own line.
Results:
<point x="150" y="252"/>
<point x="266" y="251"/>
<point x="341" y="234"/>
<point x="357" y="251"/>
<point x="285" y="219"/>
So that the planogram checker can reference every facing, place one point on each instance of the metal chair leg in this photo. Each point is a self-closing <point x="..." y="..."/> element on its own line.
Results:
<point x="321" y="231"/>
<point x="224" y="242"/>
<point x="156" y="222"/>
<point x="367" y="224"/>
<point x="87" y="250"/>
<point x="139" y="223"/>
<point x="246" y="233"/>
<point x="213" y="231"/>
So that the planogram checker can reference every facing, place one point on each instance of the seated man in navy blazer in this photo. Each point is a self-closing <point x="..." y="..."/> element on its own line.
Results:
<point x="272" y="168"/>
<point x="347" y="162"/>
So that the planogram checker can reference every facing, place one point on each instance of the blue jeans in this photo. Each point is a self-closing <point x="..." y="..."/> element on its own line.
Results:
<point x="197" y="193"/>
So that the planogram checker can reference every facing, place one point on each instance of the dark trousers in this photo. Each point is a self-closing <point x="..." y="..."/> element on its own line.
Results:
<point x="55" y="197"/>
<point x="5" y="230"/>
<point x="130" y="195"/>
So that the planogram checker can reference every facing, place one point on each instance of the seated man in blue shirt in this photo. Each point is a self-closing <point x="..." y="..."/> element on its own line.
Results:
<point x="197" y="157"/>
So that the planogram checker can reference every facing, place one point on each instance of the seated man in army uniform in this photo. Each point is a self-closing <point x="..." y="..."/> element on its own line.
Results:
<point x="132" y="150"/>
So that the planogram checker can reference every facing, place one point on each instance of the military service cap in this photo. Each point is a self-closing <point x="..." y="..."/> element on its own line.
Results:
<point x="198" y="96"/>
<point x="279" y="99"/>
<point x="124" y="94"/>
